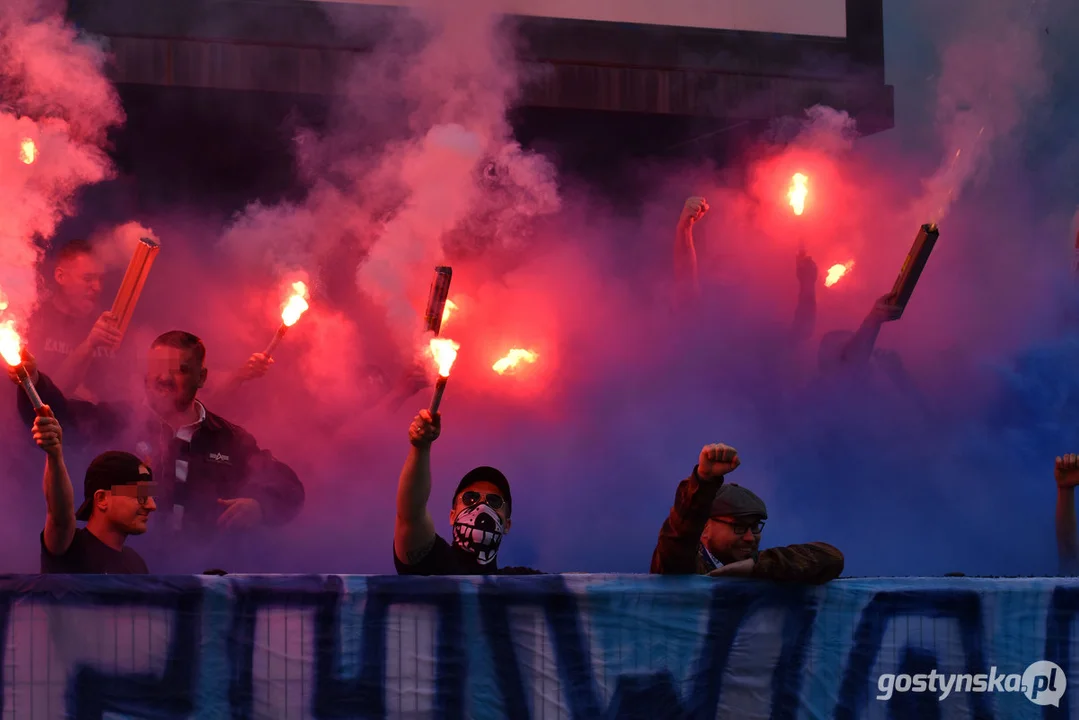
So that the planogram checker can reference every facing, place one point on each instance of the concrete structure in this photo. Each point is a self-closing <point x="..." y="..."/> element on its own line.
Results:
<point x="631" y="86"/>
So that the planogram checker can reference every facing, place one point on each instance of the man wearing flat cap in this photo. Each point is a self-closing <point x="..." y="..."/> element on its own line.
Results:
<point x="117" y="502"/>
<point x="715" y="528"/>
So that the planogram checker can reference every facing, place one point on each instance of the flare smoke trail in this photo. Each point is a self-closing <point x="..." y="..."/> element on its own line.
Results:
<point x="991" y="73"/>
<point x="53" y="93"/>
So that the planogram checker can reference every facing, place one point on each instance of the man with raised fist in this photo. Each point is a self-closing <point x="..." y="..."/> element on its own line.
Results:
<point x="715" y="528"/>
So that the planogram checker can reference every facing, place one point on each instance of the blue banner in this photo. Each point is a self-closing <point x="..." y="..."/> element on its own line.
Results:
<point x="559" y="646"/>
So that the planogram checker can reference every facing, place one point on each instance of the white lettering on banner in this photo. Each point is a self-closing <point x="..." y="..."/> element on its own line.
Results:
<point x="282" y="665"/>
<point x="1043" y="683"/>
<point x="823" y="18"/>
<point x="747" y="682"/>
<point x="411" y="663"/>
<point x="286" y="648"/>
<point x="539" y="669"/>
<point x="46" y="645"/>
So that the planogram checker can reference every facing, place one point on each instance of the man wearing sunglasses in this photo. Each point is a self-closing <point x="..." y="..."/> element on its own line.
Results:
<point x="118" y="499"/>
<point x="479" y="515"/>
<point x="715" y="528"/>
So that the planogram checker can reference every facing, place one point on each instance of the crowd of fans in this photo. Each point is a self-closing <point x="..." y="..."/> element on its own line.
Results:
<point x="197" y="478"/>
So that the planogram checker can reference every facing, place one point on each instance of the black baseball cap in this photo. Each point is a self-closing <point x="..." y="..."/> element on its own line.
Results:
<point x="109" y="469"/>
<point x="492" y="475"/>
<point x="736" y="501"/>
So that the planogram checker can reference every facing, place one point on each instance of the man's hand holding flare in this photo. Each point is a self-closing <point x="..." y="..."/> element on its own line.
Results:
<point x="425" y="429"/>
<point x="29" y="364"/>
<point x="48" y="434"/>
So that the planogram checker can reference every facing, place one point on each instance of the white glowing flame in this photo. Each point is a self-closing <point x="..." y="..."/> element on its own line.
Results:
<point x="444" y="351"/>
<point x="512" y="359"/>
<point x="798" y="191"/>
<point x="296" y="305"/>
<point x="27" y="151"/>
<point x="10" y="343"/>
<point x="836" y="273"/>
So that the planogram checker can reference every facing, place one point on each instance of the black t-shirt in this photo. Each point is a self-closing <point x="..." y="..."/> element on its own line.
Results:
<point x="446" y="559"/>
<point x="89" y="556"/>
<point x="53" y="335"/>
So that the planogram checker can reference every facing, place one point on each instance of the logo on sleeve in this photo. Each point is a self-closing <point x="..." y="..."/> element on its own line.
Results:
<point x="220" y="458"/>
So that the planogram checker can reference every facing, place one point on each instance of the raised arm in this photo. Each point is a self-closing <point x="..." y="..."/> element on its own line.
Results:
<point x="676" y="549"/>
<point x="859" y="348"/>
<point x="59" y="495"/>
<point x="86" y="422"/>
<point x="413" y="529"/>
<point x="805" y="312"/>
<point x="685" y="254"/>
<point x="73" y="369"/>
<point x="1066" y="473"/>
<point x="255" y="368"/>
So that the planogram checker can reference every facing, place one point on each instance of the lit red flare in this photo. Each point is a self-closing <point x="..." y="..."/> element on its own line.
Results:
<point x="444" y="351"/>
<point x="511" y="360"/>
<point x="798" y="192"/>
<point x="10" y="346"/>
<point x="296" y="305"/>
<point x="837" y="272"/>
<point x="27" y="151"/>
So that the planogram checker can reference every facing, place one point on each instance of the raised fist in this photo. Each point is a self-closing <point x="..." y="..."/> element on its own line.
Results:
<point x="1066" y="471"/>
<point x="805" y="269"/>
<point x="695" y="208"/>
<point x="717" y="460"/>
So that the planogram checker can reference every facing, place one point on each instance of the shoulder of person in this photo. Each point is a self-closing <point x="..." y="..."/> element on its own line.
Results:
<point x="520" y="571"/>
<point x="219" y="425"/>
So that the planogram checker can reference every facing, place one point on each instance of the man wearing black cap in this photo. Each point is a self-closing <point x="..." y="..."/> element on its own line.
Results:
<point x="715" y="528"/>
<point x="214" y="477"/>
<point x="118" y="492"/>
<point x="479" y="515"/>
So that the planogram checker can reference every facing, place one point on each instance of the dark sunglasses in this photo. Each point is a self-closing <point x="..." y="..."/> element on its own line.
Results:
<point x="142" y="491"/>
<point x="473" y="498"/>
<point x="740" y="528"/>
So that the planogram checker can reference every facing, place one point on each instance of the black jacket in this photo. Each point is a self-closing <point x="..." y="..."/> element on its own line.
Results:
<point x="224" y="460"/>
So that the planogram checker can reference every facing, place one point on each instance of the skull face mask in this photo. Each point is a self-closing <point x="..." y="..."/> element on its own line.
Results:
<point x="478" y="531"/>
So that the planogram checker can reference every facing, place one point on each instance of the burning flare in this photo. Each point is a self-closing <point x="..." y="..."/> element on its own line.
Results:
<point x="836" y="273"/>
<point x="444" y="351"/>
<point x="512" y="359"/>
<point x="296" y="305"/>
<point x="10" y="343"/>
<point x="27" y="151"/>
<point x="450" y="308"/>
<point x="798" y="191"/>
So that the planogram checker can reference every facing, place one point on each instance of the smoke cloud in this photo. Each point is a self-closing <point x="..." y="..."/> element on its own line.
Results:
<point x="57" y="106"/>
<point x="908" y="467"/>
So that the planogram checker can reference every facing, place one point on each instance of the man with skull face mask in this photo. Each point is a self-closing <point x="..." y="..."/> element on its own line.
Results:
<point x="714" y="528"/>
<point x="480" y="515"/>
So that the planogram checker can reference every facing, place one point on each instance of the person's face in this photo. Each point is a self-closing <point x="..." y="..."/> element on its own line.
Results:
<point x="173" y="378"/>
<point x="127" y="507"/>
<point x="478" y="493"/>
<point x="732" y="539"/>
<point x="79" y="281"/>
